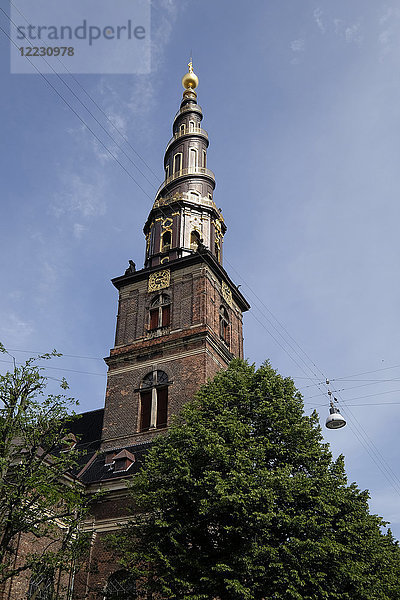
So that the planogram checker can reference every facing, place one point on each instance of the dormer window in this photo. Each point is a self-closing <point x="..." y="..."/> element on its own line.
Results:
<point x="68" y="442"/>
<point x="123" y="461"/>
<point x="160" y="312"/>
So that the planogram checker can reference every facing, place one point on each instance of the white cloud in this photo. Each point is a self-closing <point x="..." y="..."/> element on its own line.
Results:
<point x="390" y="31"/>
<point x="79" y="196"/>
<point x="297" y="45"/>
<point x="353" y="34"/>
<point x="79" y="230"/>
<point x="318" y="20"/>
<point x="47" y="282"/>
<point x="337" y="25"/>
<point x="15" y="331"/>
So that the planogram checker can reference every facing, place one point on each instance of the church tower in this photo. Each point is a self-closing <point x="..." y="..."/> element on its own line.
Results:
<point x="180" y="317"/>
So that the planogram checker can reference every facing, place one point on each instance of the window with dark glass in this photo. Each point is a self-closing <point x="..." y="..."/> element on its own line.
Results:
<point x="224" y="324"/>
<point x="154" y="401"/>
<point x="41" y="584"/>
<point x="166" y="239"/>
<point x="160" y="312"/>
<point x="217" y="251"/>
<point x="194" y="239"/>
<point x="120" y="586"/>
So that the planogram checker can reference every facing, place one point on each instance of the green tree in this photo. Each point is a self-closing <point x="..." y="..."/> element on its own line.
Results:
<point x="41" y="502"/>
<point x="242" y="500"/>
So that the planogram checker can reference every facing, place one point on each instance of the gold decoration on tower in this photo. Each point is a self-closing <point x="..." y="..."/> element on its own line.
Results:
<point x="190" y="81"/>
<point x="159" y="280"/>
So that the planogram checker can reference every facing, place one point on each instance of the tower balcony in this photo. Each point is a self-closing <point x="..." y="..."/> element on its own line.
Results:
<point x="184" y="173"/>
<point x="191" y="131"/>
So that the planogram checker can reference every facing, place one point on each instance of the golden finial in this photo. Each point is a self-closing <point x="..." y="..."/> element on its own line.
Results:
<point x="190" y="81"/>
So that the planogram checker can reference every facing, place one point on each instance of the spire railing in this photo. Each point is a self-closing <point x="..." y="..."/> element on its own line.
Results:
<point x="188" y="108"/>
<point x="190" y="131"/>
<point x="188" y="171"/>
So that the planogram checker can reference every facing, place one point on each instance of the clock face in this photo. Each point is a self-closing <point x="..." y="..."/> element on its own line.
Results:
<point x="159" y="280"/>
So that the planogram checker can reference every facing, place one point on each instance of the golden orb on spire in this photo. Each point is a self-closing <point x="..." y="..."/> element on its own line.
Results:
<point x="190" y="81"/>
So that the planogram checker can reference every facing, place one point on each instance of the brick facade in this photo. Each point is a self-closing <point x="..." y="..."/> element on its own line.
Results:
<point x="189" y="350"/>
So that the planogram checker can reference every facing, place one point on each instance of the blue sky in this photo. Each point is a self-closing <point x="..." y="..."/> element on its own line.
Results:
<point x="301" y="103"/>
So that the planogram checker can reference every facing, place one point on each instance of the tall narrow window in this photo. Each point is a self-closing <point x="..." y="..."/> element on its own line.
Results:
<point x="120" y="586"/>
<point x="166" y="241"/>
<point x="193" y="157"/>
<point x="182" y="129"/>
<point x="177" y="162"/>
<point x="194" y="240"/>
<point x="192" y="125"/>
<point x="204" y="158"/>
<point x="217" y="252"/>
<point x="154" y="401"/>
<point x="160" y="312"/>
<point x="167" y="172"/>
<point x="224" y="324"/>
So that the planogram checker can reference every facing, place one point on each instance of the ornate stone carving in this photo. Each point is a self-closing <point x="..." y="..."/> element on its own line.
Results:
<point x="226" y="293"/>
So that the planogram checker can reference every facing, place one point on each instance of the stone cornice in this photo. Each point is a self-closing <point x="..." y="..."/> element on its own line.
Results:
<point x="204" y="256"/>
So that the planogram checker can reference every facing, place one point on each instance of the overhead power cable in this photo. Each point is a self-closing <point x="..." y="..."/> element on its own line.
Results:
<point x="311" y="369"/>
<point x="60" y="369"/>
<point x="80" y="118"/>
<point x="109" y="120"/>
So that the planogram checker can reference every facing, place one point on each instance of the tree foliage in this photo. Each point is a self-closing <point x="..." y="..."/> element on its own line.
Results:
<point x="242" y="500"/>
<point x="39" y="498"/>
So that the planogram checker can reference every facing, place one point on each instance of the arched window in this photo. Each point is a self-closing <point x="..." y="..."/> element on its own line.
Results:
<point x="177" y="162"/>
<point x="41" y="584"/>
<point x="194" y="240"/>
<point x="160" y="312"/>
<point x="120" y="586"/>
<point x="166" y="239"/>
<point x="192" y="125"/>
<point x="154" y="401"/>
<point x="167" y="172"/>
<point x="224" y="324"/>
<point x="182" y="129"/>
<point x="193" y="157"/>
